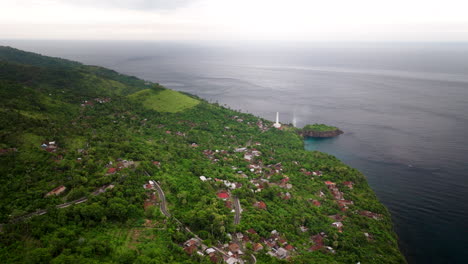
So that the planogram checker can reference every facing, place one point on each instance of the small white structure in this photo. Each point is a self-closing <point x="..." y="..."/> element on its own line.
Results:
<point x="240" y="149"/>
<point x="337" y="224"/>
<point x="203" y="178"/>
<point x="210" y="250"/>
<point x="277" y="124"/>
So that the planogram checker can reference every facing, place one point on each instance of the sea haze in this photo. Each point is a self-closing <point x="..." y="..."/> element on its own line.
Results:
<point x="403" y="107"/>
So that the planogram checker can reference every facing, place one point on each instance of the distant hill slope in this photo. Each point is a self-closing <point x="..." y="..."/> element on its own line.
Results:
<point x="79" y="145"/>
<point x="23" y="57"/>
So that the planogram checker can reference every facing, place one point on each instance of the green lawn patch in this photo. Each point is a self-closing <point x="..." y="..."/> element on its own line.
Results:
<point x="164" y="100"/>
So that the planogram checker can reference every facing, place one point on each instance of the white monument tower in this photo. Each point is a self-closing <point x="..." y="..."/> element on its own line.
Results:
<point x="277" y="124"/>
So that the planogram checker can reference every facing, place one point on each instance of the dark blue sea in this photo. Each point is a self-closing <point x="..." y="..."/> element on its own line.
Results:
<point x="403" y="107"/>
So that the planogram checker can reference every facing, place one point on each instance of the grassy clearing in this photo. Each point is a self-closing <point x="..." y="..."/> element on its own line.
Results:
<point x="165" y="100"/>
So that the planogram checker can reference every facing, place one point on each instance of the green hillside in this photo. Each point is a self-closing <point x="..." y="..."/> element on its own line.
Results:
<point x="164" y="100"/>
<point x="78" y="143"/>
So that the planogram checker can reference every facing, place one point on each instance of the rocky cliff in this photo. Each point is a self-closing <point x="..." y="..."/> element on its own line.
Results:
<point x="320" y="134"/>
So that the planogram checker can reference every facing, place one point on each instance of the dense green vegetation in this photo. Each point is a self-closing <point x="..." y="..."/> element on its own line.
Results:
<point x="99" y="119"/>
<point x="319" y="128"/>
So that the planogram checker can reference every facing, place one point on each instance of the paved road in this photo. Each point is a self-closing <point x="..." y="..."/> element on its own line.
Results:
<point x="60" y="206"/>
<point x="162" y="198"/>
<point x="238" y="210"/>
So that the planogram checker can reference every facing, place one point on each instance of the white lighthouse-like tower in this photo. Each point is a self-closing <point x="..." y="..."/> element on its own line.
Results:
<point x="277" y="124"/>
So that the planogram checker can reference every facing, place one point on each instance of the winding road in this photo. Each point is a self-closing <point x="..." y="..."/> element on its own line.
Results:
<point x="60" y="206"/>
<point x="162" y="198"/>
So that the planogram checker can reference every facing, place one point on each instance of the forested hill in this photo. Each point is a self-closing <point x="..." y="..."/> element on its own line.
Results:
<point x="88" y="156"/>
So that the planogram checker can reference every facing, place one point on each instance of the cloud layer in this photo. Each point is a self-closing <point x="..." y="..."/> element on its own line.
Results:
<point x="278" y="20"/>
<point x="145" y="5"/>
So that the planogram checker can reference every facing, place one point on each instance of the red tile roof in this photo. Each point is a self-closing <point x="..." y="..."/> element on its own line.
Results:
<point x="111" y="170"/>
<point x="223" y="195"/>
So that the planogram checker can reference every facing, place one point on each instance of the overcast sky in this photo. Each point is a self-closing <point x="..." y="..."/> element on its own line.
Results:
<point x="284" y="20"/>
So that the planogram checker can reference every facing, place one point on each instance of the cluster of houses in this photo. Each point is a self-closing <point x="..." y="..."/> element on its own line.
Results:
<point x="342" y="203"/>
<point x="275" y="245"/>
<point x="214" y="155"/>
<point x="49" y="146"/>
<point x="249" y="154"/>
<point x="238" y="119"/>
<point x="262" y="126"/>
<point x="318" y="243"/>
<point x="120" y="165"/>
<point x="338" y="195"/>
<point x="97" y="100"/>
<point x="311" y="173"/>
<point x="371" y="215"/>
<point x="152" y="198"/>
<point x="195" y="246"/>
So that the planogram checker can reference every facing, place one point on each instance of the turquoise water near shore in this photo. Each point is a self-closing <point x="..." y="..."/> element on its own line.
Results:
<point x="403" y="108"/>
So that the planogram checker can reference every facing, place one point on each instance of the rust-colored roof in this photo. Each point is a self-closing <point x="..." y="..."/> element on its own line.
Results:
<point x="260" y="205"/>
<point x="223" y="195"/>
<point x="257" y="247"/>
<point x="316" y="202"/>
<point x="190" y="249"/>
<point x="234" y="247"/>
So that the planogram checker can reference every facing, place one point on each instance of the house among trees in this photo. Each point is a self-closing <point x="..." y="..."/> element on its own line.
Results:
<point x="371" y="215"/>
<point x="318" y="242"/>
<point x="348" y="184"/>
<point x="234" y="248"/>
<point x="191" y="245"/>
<point x="257" y="247"/>
<point x="223" y="195"/>
<point x="260" y="205"/>
<point x="56" y="191"/>
<point x="338" y="225"/>
<point x="49" y="146"/>
<point x="317" y="173"/>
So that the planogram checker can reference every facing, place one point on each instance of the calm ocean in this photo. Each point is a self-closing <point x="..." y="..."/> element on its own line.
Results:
<point x="403" y="107"/>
